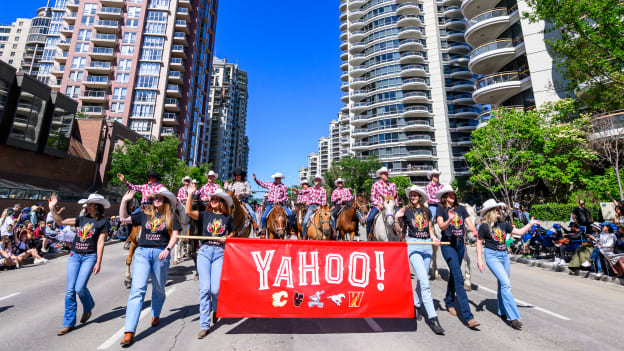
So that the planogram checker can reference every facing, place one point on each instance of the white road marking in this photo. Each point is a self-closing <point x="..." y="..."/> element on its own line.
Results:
<point x="120" y="333"/>
<point x="6" y="297"/>
<point x="371" y="323"/>
<point x="525" y="304"/>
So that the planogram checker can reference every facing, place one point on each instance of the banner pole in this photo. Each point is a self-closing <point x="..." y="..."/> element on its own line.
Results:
<point x="218" y="237"/>
<point x="429" y="243"/>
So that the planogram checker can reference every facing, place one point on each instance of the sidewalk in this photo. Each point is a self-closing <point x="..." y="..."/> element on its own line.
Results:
<point x="49" y="256"/>
<point x="549" y="265"/>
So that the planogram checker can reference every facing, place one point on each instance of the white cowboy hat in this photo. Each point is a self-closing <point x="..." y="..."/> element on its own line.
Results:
<point x="169" y="195"/>
<point x="95" y="199"/>
<point x="277" y="175"/>
<point x="195" y="181"/>
<point x="417" y="189"/>
<point x="380" y="171"/>
<point x="212" y="173"/>
<point x="186" y="178"/>
<point x="227" y="198"/>
<point x="488" y="205"/>
<point x="321" y="178"/>
<point x="444" y="190"/>
<point x="305" y="181"/>
<point x="502" y="204"/>
<point x="432" y="172"/>
<point x="338" y="181"/>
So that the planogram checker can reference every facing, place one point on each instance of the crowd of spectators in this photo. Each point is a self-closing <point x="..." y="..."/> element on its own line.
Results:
<point x="30" y="233"/>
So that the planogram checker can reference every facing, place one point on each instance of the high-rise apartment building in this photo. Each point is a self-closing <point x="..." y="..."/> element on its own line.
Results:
<point x="15" y="44"/>
<point x="227" y="146"/>
<point x="144" y="63"/>
<point x="511" y="56"/>
<point x="407" y="86"/>
<point x="313" y="168"/>
<point x="5" y="29"/>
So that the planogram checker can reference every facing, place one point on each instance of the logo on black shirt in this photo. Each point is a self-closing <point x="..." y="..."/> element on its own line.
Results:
<point x="86" y="232"/>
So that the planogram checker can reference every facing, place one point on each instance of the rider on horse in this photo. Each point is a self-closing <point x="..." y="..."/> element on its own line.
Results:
<point x="278" y="192"/>
<point x="431" y="189"/>
<point x="210" y="188"/>
<point x="241" y="189"/>
<point x="147" y="190"/>
<point x="381" y="188"/>
<point x="340" y="197"/>
<point x="317" y="196"/>
<point x="302" y="195"/>
<point x="183" y="192"/>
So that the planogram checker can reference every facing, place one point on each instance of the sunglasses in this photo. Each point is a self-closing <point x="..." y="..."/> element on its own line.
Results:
<point x="159" y="198"/>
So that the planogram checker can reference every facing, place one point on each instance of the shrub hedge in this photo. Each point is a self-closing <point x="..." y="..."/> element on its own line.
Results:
<point x="561" y="212"/>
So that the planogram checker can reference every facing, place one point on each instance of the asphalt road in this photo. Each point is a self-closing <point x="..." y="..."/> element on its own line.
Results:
<point x="559" y="313"/>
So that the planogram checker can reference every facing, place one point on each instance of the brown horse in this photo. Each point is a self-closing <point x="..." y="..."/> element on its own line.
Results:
<point x="346" y="223"/>
<point x="277" y="223"/>
<point x="299" y="216"/>
<point x="243" y="222"/>
<point x="319" y="226"/>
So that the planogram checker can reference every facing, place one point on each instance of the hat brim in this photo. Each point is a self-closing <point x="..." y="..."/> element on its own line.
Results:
<point x="488" y="208"/>
<point x="431" y="173"/>
<point x="379" y="173"/>
<point x="102" y="202"/>
<point x="216" y="175"/>
<point x="275" y="176"/>
<point x="227" y="198"/>
<point x="419" y="191"/>
<point x="443" y="192"/>
<point x="173" y="200"/>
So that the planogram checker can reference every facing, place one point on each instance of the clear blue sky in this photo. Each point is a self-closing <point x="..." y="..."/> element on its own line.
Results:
<point x="291" y="53"/>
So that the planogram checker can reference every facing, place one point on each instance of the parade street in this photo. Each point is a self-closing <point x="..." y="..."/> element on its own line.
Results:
<point x="559" y="313"/>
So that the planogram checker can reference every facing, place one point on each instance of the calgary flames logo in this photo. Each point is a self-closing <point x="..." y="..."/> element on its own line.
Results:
<point x="155" y="224"/>
<point x="86" y="232"/>
<point x="419" y="222"/>
<point x="457" y="222"/>
<point x="216" y="228"/>
<point x="499" y="235"/>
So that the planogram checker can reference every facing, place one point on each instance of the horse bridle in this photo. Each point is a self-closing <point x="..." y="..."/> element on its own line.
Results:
<point x="276" y="229"/>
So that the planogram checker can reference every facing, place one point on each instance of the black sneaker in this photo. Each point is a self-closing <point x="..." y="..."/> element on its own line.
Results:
<point x="417" y="314"/>
<point x="516" y="324"/>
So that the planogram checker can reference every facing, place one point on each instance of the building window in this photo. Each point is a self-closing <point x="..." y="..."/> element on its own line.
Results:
<point x="72" y="91"/>
<point x="122" y="77"/>
<point x="28" y="118"/>
<point x="127" y="50"/>
<point x="132" y="23"/>
<point x="60" y="130"/>
<point x="129" y="38"/>
<point x="78" y="62"/>
<point x="124" y="65"/>
<point x="75" y="76"/>
<point x="134" y="12"/>
<point x="118" y="107"/>
<point x="87" y="20"/>
<point x="119" y="93"/>
<point x="89" y="9"/>
<point x="141" y="126"/>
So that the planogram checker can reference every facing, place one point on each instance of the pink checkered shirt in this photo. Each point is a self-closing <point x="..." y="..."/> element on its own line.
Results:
<point x="146" y="190"/>
<point x="381" y="189"/>
<point x="183" y="194"/>
<point x="277" y="192"/>
<point x="431" y="189"/>
<point x="302" y="196"/>
<point x="209" y="189"/>
<point x="317" y="196"/>
<point x="343" y="192"/>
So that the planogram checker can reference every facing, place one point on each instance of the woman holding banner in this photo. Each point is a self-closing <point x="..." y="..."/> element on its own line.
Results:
<point x="493" y="233"/>
<point x="452" y="218"/>
<point x="216" y="225"/>
<point x="416" y="219"/>
<point x="159" y="233"/>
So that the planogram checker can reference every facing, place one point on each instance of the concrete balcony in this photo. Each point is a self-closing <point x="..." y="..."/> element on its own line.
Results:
<point x="458" y="48"/>
<point x="62" y="44"/>
<point x="356" y="25"/>
<point x="452" y="12"/>
<point x="110" y="13"/>
<point x="184" y="3"/>
<point x="411" y="57"/>
<point x="174" y="90"/>
<point x="112" y="3"/>
<point x="67" y="31"/>
<point x="57" y="71"/>
<point x="458" y="24"/>
<point x="70" y="17"/>
<point x="180" y="38"/>
<point x="102" y="54"/>
<point x="459" y="73"/>
<point x="355" y="14"/>
<point x="415" y="97"/>
<point x="177" y="64"/>
<point x="181" y="26"/>
<point x="409" y="21"/>
<point x="93" y="96"/>
<point x="93" y="111"/>
<point x="408" y="8"/>
<point x="455" y="35"/>
<point x="490" y="57"/>
<point x="357" y="71"/>
<point x="183" y="13"/>
<point x="357" y="83"/>
<point x="413" y="71"/>
<point x="356" y="36"/>
<point x="489" y="25"/>
<point x="356" y="48"/>
<point x="414" y="83"/>
<point x="461" y="99"/>
<point x="168" y="131"/>
<point x="177" y="50"/>
<point x="496" y="88"/>
<point x="99" y="67"/>
<point x="356" y="4"/>
<point x="416" y="111"/>
<point x="170" y="119"/>
<point x="411" y="33"/>
<point x="176" y="77"/>
<point x="72" y="5"/>
<point x="102" y="39"/>
<point x="106" y="26"/>
<point x="411" y="45"/>
<point x="471" y="8"/>
<point x="97" y="82"/>
<point x="357" y="59"/>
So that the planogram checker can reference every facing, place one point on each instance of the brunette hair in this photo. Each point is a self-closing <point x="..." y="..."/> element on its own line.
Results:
<point x="222" y="207"/>
<point x="444" y="202"/>
<point x="421" y="202"/>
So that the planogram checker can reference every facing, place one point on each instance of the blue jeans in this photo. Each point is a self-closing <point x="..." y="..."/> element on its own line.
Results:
<point x="369" y="220"/>
<point x="268" y="208"/>
<point x="453" y="255"/>
<point x="420" y="257"/>
<point x="146" y="265"/>
<point x="79" y="269"/>
<point x="433" y="208"/>
<point x="209" y="263"/>
<point x="498" y="262"/>
<point x="251" y="211"/>
<point x="595" y="256"/>
<point x="306" y="218"/>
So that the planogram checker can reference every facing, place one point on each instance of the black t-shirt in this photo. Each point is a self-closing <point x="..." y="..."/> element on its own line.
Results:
<point x="582" y="215"/>
<point x="456" y="226"/>
<point x="154" y="231"/>
<point x="88" y="230"/>
<point x="213" y="224"/>
<point x="495" y="238"/>
<point x="418" y="222"/>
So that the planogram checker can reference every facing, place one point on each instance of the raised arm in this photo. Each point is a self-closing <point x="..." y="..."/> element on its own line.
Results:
<point x="188" y="208"/>
<point x="57" y="217"/>
<point x="260" y="183"/>
<point x="523" y="230"/>
<point x="123" y="207"/>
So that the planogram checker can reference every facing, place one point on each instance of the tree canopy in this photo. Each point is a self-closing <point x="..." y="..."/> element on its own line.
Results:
<point x="354" y="171"/>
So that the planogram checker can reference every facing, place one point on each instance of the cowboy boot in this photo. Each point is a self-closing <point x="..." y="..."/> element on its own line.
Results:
<point x="127" y="340"/>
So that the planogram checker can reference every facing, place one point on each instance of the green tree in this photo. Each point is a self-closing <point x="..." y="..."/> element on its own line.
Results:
<point x="587" y="43"/>
<point x="134" y="161"/>
<point x="402" y="183"/>
<point x="357" y="171"/>
<point x="503" y="153"/>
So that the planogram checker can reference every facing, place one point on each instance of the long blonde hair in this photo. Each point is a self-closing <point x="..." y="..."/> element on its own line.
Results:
<point x="490" y="217"/>
<point x="421" y="202"/>
<point x="166" y="214"/>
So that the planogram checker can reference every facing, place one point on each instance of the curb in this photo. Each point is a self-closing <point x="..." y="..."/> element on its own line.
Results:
<point x="546" y="264"/>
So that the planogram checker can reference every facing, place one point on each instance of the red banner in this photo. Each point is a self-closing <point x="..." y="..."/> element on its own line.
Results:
<point x="315" y="279"/>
